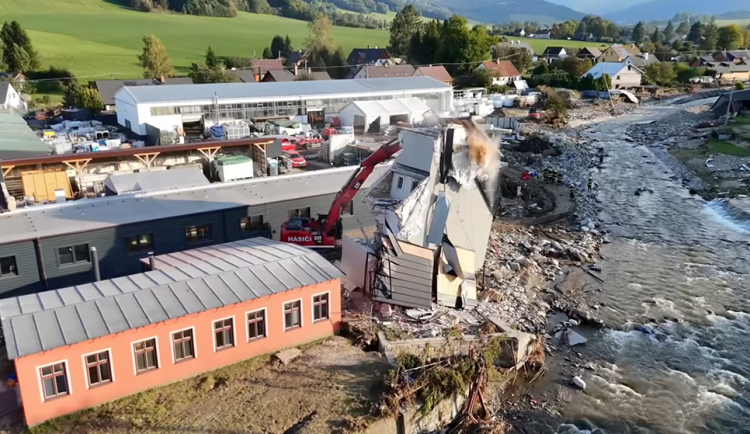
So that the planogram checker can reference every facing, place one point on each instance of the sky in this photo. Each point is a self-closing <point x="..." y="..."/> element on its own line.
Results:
<point x="598" y="6"/>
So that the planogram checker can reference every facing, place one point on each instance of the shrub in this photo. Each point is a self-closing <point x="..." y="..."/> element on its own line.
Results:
<point x="739" y="86"/>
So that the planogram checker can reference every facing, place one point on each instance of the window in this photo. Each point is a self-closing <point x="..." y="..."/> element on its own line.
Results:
<point x="74" y="255"/>
<point x="145" y="355"/>
<point x="300" y="212"/>
<point x="198" y="233"/>
<point x="400" y="182"/>
<point x="252" y="223"/>
<point x="98" y="368"/>
<point x="182" y="342"/>
<point x="320" y="307"/>
<point x="139" y="243"/>
<point x="54" y="380"/>
<point x="256" y="324"/>
<point x="349" y="209"/>
<point x="224" y="333"/>
<point x="413" y="184"/>
<point x="8" y="266"/>
<point x="128" y="125"/>
<point x="291" y="315"/>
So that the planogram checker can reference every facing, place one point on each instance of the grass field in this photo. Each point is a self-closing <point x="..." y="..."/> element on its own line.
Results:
<point x="95" y="38"/>
<point x="539" y="45"/>
<point x="743" y="23"/>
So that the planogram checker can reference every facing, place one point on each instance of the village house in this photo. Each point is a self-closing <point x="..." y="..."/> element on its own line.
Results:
<point x="618" y="53"/>
<point x="298" y="59"/>
<point x="553" y="54"/>
<point x="385" y="71"/>
<point x="190" y="313"/>
<point x="369" y="56"/>
<point x="10" y="98"/>
<point x="503" y="72"/>
<point x="622" y="75"/>
<point x="542" y="34"/>
<point x="590" y="53"/>
<point x="13" y="76"/>
<point x="108" y="88"/>
<point x="515" y="44"/>
<point x="731" y="71"/>
<point x="242" y="75"/>
<point x="262" y="66"/>
<point x="519" y="32"/>
<point x="286" y="75"/>
<point x="438" y="72"/>
<point x="584" y="36"/>
<point x="641" y="60"/>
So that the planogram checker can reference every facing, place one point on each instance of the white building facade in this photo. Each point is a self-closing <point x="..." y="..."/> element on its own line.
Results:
<point x="10" y="98"/>
<point x="168" y="107"/>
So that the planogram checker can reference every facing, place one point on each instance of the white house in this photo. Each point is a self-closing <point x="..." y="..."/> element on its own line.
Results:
<point x="10" y="98"/>
<point x="622" y="75"/>
<point x="542" y="34"/>
<point x="503" y="72"/>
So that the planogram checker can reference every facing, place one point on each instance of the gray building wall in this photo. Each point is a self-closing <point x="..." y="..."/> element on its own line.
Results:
<point x="168" y="235"/>
<point x="27" y="281"/>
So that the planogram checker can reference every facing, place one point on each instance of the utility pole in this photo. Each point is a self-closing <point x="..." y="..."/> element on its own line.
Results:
<point x="729" y="106"/>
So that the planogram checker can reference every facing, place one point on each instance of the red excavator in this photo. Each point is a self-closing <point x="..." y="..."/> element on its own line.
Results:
<point x="326" y="230"/>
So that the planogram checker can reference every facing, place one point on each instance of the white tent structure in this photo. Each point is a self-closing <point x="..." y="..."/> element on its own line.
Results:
<point x="370" y="116"/>
<point x="156" y="180"/>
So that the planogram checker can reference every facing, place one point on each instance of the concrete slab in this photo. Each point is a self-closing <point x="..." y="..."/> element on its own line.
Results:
<point x="288" y="355"/>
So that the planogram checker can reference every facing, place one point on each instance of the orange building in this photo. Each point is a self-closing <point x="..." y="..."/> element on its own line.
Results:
<point x="198" y="310"/>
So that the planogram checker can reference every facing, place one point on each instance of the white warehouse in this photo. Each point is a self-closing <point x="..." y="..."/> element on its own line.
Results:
<point x="170" y="107"/>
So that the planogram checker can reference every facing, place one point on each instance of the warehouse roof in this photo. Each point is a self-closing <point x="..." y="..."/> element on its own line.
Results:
<point x="155" y="180"/>
<point x="17" y="140"/>
<point x="296" y="89"/>
<point x="99" y="213"/>
<point x="218" y="276"/>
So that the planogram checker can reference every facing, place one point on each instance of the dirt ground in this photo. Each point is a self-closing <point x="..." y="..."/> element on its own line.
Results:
<point x="333" y="379"/>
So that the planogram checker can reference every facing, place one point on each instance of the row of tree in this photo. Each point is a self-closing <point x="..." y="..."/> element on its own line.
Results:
<point x="18" y="54"/>
<point x="707" y="36"/>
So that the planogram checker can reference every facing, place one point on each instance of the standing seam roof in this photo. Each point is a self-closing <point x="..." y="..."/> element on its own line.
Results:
<point x="41" y="322"/>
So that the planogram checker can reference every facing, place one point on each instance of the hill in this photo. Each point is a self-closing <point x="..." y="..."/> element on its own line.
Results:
<point x="500" y="11"/>
<point x="658" y="10"/>
<point x="96" y="38"/>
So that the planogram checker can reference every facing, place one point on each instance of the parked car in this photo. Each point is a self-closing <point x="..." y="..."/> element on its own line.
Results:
<point x="297" y="159"/>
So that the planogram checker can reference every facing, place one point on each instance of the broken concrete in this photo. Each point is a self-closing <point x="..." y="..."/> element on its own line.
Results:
<point x="288" y="355"/>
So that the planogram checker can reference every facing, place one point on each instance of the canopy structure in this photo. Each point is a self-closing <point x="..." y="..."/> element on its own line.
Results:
<point x="371" y="115"/>
<point x="151" y="181"/>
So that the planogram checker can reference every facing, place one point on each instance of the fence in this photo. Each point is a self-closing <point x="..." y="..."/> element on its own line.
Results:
<point x="503" y="122"/>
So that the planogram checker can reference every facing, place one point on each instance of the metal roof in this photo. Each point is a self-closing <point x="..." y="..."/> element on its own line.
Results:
<point x="217" y="276"/>
<point x="108" y="88"/>
<point x="92" y="214"/>
<point x="155" y="180"/>
<point x="16" y="138"/>
<point x="609" y="68"/>
<point x="296" y="89"/>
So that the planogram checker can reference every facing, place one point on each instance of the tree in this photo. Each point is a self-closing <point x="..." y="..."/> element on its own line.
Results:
<point x="425" y="43"/>
<point x="696" y="33"/>
<point x="260" y="7"/>
<point x="603" y="83"/>
<point x="710" y="37"/>
<point x="212" y="61"/>
<point x="613" y="31"/>
<point x="320" y="34"/>
<point x="729" y="37"/>
<point x="683" y="28"/>
<point x="288" y="48"/>
<point x="638" y="33"/>
<point x="662" y="74"/>
<point x="745" y="37"/>
<point x="518" y="56"/>
<point x="205" y="74"/>
<point x="481" y="78"/>
<point x="267" y="53"/>
<point x="72" y="93"/>
<point x="281" y="46"/>
<point x="18" y="53"/>
<point x="656" y="36"/>
<point x="541" y="68"/>
<point x="648" y="47"/>
<point x="406" y="23"/>
<point x="91" y="99"/>
<point x="669" y="31"/>
<point x="573" y="66"/>
<point x="154" y="59"/>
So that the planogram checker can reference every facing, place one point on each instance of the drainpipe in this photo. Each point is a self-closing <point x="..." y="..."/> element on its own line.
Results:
<point x="95" y="261"/>
<point x="151" y="261"/>
<point x="40" y="263"/>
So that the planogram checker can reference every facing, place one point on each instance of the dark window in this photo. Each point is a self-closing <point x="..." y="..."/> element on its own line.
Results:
<point x="74" y="255"/>
<point x="400" y="183"/>
<point x="413" y="185"/>
<point x="145" y="355"/>
<point x="320" y="307"/>
<point x="349" y="209"/>
<point x="54" y="380"/>
<point x="183" y="345"/>
<point x="256" y="324"/>
<point x="139" y="243"/>
<point x="300" y="212"/>
<point x="292" y="315"/>
<point x="8" y="266"/>
<point x="98" y="368"/>
<point x="252" y="223"/>
<point x="198" y="233"/>
<point x="224" y="333"/>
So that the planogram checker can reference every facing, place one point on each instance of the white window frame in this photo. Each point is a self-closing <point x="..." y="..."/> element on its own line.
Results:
<point x="213" y="330"/>
<point x="111" y="367"/>
<point x="248" y="339"/>
<point x="312" y="306"/>
<point x="67" y="379"/>
<point x="301" y="314"/>
<point x="158" y="355"/>
<point x="171" y="342"/>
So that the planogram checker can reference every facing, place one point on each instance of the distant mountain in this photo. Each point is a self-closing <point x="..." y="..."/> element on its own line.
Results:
<point x="500" y="11"/>
<point x="659" y="10"/>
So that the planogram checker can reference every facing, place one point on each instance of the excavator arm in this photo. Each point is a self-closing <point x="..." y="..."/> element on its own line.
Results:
<point x="350" y="189"/>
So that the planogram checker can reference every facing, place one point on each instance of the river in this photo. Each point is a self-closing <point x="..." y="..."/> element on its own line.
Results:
<point x="679" y="264"/>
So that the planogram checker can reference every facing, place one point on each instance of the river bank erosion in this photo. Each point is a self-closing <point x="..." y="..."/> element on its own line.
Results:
<point x="673" y="287"/>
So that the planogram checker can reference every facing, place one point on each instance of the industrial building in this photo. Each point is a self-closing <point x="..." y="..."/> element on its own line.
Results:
<point x="206" y="308"/>
<point x="50" y="246"/>
<point x="170" y="108"/>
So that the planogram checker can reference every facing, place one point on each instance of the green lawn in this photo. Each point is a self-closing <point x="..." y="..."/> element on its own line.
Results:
<point x="539" y="45"/>
<point x="727" y="148"/>
<point x="98" y="38"/>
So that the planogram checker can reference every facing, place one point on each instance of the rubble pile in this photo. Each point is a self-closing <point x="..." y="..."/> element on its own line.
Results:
<point x="598" y="108"/>
<point x="520" y="270"/>
<point x="685" y="128"/>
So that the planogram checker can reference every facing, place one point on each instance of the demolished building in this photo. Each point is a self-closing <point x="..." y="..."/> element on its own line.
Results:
<point x="434" y="214"/>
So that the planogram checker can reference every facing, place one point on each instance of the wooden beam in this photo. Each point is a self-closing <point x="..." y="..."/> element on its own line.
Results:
<point x="211" y="152"/>
<point x="147" y="158"/>
<point x="79" y="164"/>
<point x="7" y="169"/>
